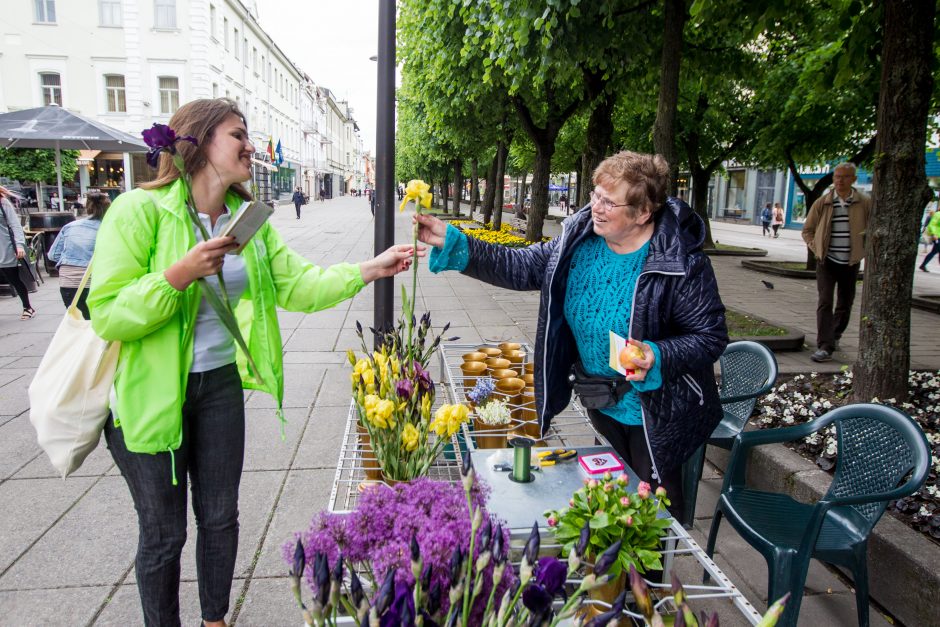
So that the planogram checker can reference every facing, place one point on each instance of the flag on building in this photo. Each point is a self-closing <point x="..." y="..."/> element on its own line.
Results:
<point x="270" y="149"/>
<point x="280" y="155"/>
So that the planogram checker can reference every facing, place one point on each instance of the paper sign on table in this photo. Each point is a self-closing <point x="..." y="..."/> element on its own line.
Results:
<point x="600" y="463"/>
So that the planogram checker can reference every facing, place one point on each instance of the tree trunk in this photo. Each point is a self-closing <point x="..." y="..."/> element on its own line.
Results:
<point x="540" y="175"/>
<point x="444" y="193"/>
<point x="502" y="153"/>
<point x="664" y="129"/>
<point x="585" y="174"/>
<point x="489" y="195"/>
<point x="600" y="133"/>
<point x="458" y="186"/>
<point x="700" y="178"/>
<point x="581" y="190"/>
<point x="900" y="194"/>
<point x="474" y="186"/>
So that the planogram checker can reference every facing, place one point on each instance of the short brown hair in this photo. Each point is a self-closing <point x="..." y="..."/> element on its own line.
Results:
<point x="646" y="175"/>
<point x="96" y="205"/>
<point x="198" y="119"/>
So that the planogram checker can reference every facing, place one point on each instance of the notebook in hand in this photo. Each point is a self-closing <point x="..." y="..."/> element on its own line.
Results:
<point x="250" y="218"/>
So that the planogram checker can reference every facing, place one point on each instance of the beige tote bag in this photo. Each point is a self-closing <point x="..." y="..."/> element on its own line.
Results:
<point x="69" y="395"/>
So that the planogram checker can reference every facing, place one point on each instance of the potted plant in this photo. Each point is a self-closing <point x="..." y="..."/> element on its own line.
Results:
<point x="490" y="415"/>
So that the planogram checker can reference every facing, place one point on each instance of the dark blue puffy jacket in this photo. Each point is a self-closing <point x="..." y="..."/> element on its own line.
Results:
<point x="676" y="305"/>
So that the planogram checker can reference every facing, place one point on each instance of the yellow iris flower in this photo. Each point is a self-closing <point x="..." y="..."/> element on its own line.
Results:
<point x="409" y="437"/>
<point x="419" y="192"/>
<point x="448" y="418"/>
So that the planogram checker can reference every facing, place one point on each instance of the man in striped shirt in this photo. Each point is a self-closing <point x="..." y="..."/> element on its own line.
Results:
<point x="835" y="232"/>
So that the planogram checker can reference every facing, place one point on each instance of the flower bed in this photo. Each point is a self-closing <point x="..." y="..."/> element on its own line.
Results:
<point x="505" y="236"/>
<point x="806" y="397"/>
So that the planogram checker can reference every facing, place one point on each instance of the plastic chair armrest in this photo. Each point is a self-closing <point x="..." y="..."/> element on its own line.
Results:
<point x="737" y="398"/>
<point x="782" y="434"/>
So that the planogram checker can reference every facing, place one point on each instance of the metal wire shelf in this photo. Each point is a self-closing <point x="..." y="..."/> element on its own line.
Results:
<point x="569" y="429"/>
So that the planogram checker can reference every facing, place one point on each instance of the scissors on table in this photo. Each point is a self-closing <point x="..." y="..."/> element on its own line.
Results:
<point x="549" y="458"/>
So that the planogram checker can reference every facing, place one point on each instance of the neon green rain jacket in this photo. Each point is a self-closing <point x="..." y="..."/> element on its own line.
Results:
<point x="143" y="234"/>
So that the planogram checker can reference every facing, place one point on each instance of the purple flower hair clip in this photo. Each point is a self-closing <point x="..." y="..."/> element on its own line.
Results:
<point x="161" y="137"/>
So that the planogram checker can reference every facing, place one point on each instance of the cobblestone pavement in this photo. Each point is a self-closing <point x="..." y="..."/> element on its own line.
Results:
<point x="67" y="548"/>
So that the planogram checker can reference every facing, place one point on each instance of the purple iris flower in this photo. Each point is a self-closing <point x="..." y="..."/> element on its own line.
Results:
<point x="402" y="606"/>
<point x="551" y="574"/>
<point x="425" y="384"/>
<point x="405" y="388"/>
<point x="161" y="137"/>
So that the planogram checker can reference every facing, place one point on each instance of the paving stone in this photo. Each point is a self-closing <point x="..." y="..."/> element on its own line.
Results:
<point x="264" y="447"/>
<point x="41" y="504"/>
<point x="18" y="445"/>
<point x="269" y="602"/>
<point x="40" y="608"/>
<point x="330" y="358"/>
<point x="312" y="340"/>
<point x="306" y="493"/>
<point x="92" y="545"/>
<point x="98" y="462"/>
<point x="124" y="607"/>
<point x="300" y="384"/>
<point x="322" y="438"/>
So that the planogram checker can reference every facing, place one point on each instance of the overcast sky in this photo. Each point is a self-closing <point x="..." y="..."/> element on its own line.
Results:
<point x="331" y="40"/>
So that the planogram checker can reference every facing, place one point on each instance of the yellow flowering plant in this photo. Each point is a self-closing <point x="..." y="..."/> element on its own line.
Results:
<point x="394" y="404"/>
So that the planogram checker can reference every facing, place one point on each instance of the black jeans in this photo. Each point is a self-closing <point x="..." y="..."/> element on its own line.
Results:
<point x="934" y="249"/>
<point x="766" y="228"/>
<point x="12" y="275"/>
<point x="630" y="443"/>
<point x="831" y="323"/>
<point x="68" y="293"/>
<point x="212" y="453"/>
<point x="297" y="207"/>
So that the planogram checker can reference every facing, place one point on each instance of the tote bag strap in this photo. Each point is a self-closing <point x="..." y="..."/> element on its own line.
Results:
<point x="81" y="285"/>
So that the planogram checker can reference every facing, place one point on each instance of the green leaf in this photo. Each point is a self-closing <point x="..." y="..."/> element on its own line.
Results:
<point x="600" y="521"/>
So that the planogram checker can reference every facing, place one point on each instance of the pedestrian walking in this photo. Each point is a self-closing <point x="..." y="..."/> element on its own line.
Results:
<point x="777" y="220"/>
<point x="74" y="247"/>
<point x="620" y="263"/>
<point x="298" y="199"/>
<point x="834" y="232"/>
<point x="563" y="203"/>
<point x="322" y="193"/>
<point x="766" y="216"/>
<point x="177" y="403"/>
<point x="13" y="250"/>
<point x="933" y="234"/>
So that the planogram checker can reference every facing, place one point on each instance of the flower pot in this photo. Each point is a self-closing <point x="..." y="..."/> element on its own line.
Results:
<point x="504" y="373"/>
<point x="391" y="482"/>
<point x="529" y="379"/>
<point x="514" y="357"/>
<point x="475" y="356"/>
<point x="529" y="368"/>
<point x="490" y="351"/>
<point x="607" y="593"/>
<point x="370" y="464"/>
<point x="506" y="347"/>
<point x="509" y="390"/>
<point x="488" y="436"/>
<point x="496" y="363"/>
<point x="471" y="370"/>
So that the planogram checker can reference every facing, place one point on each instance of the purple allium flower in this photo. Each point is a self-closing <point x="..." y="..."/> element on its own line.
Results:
<point x="404" y="388"/>
<point x="161" y="137"/>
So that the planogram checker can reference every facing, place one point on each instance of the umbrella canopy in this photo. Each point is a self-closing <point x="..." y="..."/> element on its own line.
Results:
<point x="54" y="127"/>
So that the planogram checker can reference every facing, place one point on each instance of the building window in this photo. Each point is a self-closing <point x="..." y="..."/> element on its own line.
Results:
<point x="114" y="93"/>
<point x="236" y="43"/>
<point x="254" y="60"/>
<point x="51" y="85"/>
<point x="169" y="94"/>
<point x="164" y="13"/>
<point x="215" y="90"/>
<point x="212" y="19"/>
<point x="262" y="66"/>
<point x="44" y="11"/>
<point x="245" y="50"/>
<point x="225" y="31"/>
<point x="109" y="13"/>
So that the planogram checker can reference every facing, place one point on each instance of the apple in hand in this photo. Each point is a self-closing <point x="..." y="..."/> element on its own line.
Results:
<point x="627" y="354"/>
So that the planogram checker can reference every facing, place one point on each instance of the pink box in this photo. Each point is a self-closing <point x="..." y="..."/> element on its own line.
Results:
<point x="600" y="463"/>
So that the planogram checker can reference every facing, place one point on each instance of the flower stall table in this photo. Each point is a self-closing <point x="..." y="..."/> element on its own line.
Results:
<point x="521" y="503"/>
<point x="570" y="428"/>
<point x="351" y="467"/>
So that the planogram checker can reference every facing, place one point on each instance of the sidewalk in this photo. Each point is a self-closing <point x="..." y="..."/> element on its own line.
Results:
<point x="67" y="548"/>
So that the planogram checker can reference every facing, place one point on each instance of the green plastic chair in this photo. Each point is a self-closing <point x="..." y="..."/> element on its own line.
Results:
<point x="883" y="456"/>
<point x="748" y="371"/>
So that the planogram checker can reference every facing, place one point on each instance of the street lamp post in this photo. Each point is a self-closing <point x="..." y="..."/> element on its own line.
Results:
<point x="385" y="161"/>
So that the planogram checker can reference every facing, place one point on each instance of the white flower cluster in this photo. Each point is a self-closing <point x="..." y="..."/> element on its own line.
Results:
<point x="494" y="413"/>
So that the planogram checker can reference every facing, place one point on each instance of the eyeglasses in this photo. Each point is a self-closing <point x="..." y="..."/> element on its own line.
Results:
<point x="603" y="203"/>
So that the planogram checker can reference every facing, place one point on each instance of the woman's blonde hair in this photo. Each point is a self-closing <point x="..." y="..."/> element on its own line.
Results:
<point x="646" y="177"/>
<point x="198" y="119"/>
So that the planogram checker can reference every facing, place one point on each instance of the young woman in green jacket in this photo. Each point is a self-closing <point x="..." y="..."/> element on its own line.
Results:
<point x="177" y="402"/>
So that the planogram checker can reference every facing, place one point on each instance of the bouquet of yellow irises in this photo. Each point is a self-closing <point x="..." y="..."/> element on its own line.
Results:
<point x="395" y="409"/>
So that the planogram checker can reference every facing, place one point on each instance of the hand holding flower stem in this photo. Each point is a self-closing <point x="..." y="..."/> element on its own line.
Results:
<point x="419" y="192"/>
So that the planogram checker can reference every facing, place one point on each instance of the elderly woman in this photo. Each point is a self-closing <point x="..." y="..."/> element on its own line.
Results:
<point x="177" y="404"/>
<point x="631" y="262"/>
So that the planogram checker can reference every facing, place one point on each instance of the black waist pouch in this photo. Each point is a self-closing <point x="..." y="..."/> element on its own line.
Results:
<point x="596" y="392"/>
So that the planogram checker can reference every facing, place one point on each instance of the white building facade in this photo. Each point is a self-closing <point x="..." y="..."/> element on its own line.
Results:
<point x="130" y="63"/>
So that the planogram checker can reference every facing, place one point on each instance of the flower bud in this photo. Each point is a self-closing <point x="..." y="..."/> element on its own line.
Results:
<point x="660" y="492"/>
<point x="608" y="476"/>
<point x="300" y="557"/>
<point x="644" y="490"/>
<point x="552" y="521"/>
<point x="607" y="559"/>
<point x="583" y="539"/>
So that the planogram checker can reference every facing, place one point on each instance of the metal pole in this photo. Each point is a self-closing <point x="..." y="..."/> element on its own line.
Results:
<point x="58" y="175"/>
<point x="385" y="161"/>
